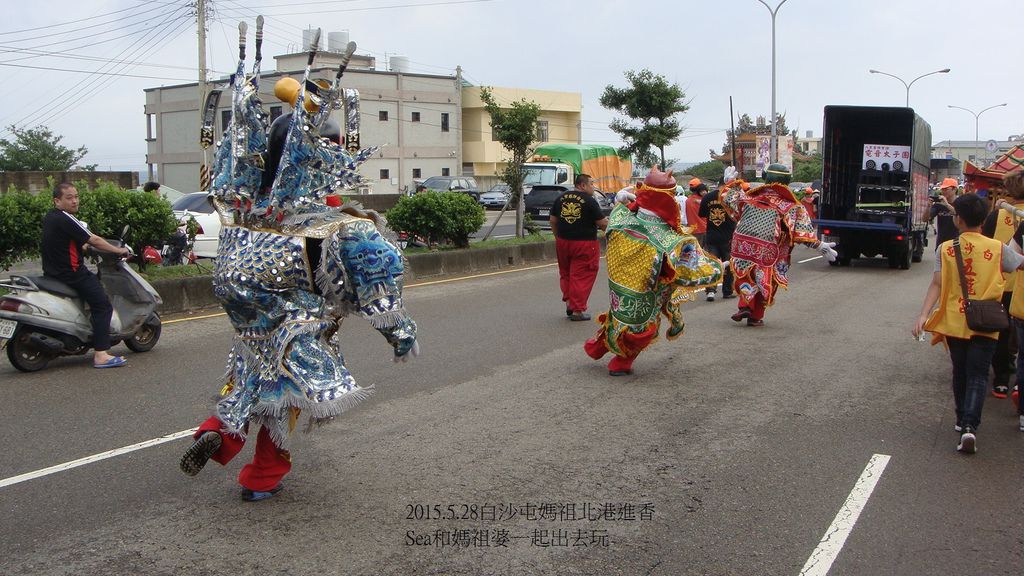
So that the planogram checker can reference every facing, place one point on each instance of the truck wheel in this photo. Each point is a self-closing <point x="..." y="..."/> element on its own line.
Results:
<point x="23" y="356"/>
<point x="146" y="337"/>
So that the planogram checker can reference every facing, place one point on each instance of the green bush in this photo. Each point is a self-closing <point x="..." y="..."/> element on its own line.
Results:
<point x="438" y="216"/>
<point x="106" y="209"/>
<point x="21" y="225"/>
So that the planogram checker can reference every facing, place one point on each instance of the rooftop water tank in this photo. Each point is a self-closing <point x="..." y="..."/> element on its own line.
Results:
<point x="337" y="41"/>
<point x="399" y="64"/>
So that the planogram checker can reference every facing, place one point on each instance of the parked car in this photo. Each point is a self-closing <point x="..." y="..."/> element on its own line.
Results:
<point x="463" y="184"/>
<point x="198" y="206"/>
<point x="496" y="197"/>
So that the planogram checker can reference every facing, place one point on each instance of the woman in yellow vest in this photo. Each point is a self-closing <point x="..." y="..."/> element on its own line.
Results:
<point x="970" y="352"/>
<point x="1014" y="184"/>
<point x="1001" y="225"/>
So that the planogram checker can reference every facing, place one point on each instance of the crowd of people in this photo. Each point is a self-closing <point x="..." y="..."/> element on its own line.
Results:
<point x="978" y="258"/>
<point x="663" y="247"/>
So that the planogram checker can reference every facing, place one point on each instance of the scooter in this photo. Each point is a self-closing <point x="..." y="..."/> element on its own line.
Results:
<point x="42" y="318"/>
<point x="173" y="251"/>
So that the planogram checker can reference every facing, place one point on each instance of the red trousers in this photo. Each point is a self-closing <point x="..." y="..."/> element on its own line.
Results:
<point x="755" y="305"/>
<point x="578" y="262"/>
<point x="269" y="463"/>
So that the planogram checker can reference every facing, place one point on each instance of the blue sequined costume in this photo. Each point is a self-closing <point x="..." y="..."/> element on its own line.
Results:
<point x="289" y="268"/>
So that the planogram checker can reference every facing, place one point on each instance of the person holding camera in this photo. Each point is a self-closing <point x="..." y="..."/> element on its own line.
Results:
<point x="942" y="212"/>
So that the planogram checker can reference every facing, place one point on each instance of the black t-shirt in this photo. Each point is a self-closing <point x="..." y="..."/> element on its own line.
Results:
<point x="720" y="225"/>
<point x="63" y="237"/>
<point x="577" y="213"/>
<point x="945" y="225"/>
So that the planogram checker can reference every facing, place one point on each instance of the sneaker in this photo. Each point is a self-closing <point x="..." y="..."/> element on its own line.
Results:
<point x="579" y="317"/>
<point x="728" y="296"/>
<point x="755" y="323"/>
<point x="710" y="297"/>
<point x="199" y="453"/>
<point x="968" y="441"/>
<point x="1022" y="423"/>
<point x="255" y="496"/>
<point x="1000" y="390"/>
<point x="958" y="428"/>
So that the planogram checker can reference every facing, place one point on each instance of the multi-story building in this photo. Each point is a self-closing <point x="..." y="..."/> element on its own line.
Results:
<point x="484" y="158"/>
<point x="979" y="153"/>
<point x="415" y="117"/>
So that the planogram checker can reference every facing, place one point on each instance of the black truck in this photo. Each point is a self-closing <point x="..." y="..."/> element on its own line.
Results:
<point x="874" y="195"/>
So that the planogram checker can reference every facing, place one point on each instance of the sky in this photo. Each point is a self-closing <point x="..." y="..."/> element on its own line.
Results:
<point x="80" y="68"/>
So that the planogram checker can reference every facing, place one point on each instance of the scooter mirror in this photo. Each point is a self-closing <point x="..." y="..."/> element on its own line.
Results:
<point x="124" y="232"/>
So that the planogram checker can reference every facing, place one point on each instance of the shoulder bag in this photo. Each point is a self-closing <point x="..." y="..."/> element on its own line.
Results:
<point x="982" y="315"/>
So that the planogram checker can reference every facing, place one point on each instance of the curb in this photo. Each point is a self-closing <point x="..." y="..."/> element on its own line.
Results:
<point x="195" y="293"/>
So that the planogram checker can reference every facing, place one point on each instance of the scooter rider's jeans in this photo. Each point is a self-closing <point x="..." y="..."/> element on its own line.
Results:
<point x="971" y="360"/>
<point x="89" y="288"/>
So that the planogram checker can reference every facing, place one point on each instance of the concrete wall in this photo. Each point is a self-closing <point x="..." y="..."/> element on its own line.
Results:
<point x="185" y="294"/>
<point x="36" y="182"/>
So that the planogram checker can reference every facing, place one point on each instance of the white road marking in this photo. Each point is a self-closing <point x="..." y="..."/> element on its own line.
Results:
<point x="94" y="458"/>
<point x="809" y="259"/>
<point x="832" y="542"/>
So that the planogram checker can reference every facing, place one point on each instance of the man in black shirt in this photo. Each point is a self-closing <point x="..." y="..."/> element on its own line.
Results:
<point x="63" y="239"/>
<point x="718" y="238"/>
<point x="942" y="212"/>
<point x="575" y="218"/>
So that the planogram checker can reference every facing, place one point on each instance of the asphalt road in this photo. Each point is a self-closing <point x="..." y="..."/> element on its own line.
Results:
<point x="731" y="451"/>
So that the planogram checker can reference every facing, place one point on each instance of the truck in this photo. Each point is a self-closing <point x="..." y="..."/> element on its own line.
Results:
<point x="558" y="164"/>
<point x="874" y="189"/>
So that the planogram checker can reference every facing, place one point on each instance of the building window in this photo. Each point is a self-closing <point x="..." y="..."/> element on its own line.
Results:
<point x="225" y="119"/>
<point x="383" y="115"/>
<point x="150" y="127"/>
<point x="385" y="174"/>
<point x="445" y="172"/>
<point x="542" y="130"/>
<point x="415" y="116"/>
<point x="275" y="112"/>
<point x="417" y="173"/>
<point x="444" y="121"/>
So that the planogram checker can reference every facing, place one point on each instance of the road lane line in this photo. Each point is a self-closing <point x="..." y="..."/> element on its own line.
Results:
<point x="832" y="542"/>
<point x="94" y="458"/>
<point x="810" y="259"/>
<point x="194" y="318"/>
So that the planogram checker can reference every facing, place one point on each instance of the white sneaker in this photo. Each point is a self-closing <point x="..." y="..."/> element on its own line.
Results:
<point x="710" y="297"/>
<point x="1022" y="423"/>
<point x="968" y="442"/>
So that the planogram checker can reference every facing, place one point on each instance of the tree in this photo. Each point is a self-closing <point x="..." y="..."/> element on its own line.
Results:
<point x="516" y="128"/>
<point x="710" y="170"/>
<point x="807" y="170"/>
<point x="38" y="150"/>
<point x="652" y="101"/>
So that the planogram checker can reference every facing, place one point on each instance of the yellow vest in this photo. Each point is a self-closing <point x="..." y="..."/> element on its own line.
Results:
<point x="982" y="267"/>
<point x="1006" y="225"/>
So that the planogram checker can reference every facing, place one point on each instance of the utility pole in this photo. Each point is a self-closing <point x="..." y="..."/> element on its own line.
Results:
<point x="201" y="20"/>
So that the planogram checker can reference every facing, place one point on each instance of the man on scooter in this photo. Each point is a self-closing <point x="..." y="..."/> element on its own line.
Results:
<point x="64" y="237"/>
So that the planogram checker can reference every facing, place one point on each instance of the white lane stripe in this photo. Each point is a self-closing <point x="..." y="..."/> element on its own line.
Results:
<point x="94" y="458"/>
<point x="809" y="259"/>
<point x="832" y="542"/>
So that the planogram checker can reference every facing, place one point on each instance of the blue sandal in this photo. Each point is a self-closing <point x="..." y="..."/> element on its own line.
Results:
<point x="114" y="362"/>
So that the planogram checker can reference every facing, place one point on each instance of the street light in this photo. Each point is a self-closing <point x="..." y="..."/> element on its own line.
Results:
<point x="943" y="71"/>
<point x="977" y="156"/>
<point x="774" y="155"/>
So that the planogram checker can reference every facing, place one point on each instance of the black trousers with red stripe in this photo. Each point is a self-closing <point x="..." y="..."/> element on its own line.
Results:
<point x="89" y="289"/>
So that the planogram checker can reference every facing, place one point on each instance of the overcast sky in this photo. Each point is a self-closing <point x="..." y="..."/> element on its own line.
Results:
<point x="713" y="49"/>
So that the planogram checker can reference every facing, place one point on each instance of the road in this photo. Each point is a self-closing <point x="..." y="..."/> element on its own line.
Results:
<point x="731" y="451"/>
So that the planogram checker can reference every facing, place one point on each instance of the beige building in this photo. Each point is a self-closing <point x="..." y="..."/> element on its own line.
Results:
<point x="415" y="117"/>
<point x="979" y="153"/>
<point x="483" y="157"/>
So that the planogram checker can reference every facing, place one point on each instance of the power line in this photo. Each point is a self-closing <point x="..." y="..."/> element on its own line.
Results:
<point x="71" y="22"/>
<point x="93" y="72"/>
<point x="36" y="37"/>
